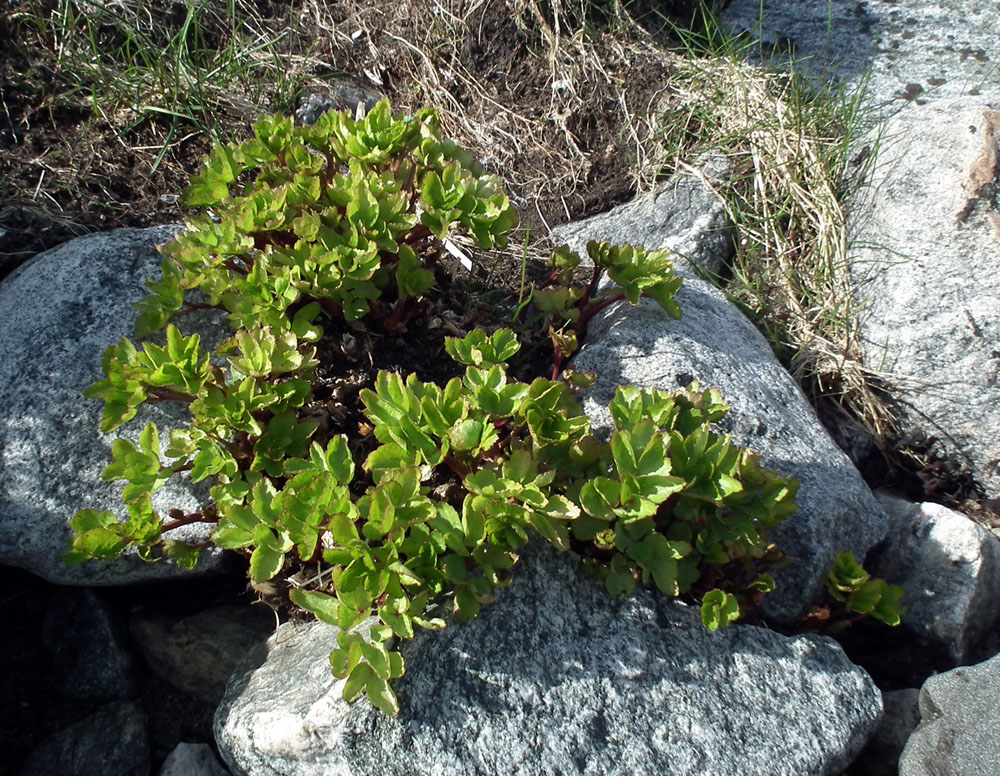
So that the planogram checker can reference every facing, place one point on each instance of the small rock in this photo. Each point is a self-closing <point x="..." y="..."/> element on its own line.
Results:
<point x="112" y="742"/>
<point x="86" y="640"/>
<point x="192" y="760"/>
<point x="62" y="310"/>
<point x="949" y="569"/>
<point x="197" y="654"/>
<point x="337" y="94"/>
<point x="960" y="717"/>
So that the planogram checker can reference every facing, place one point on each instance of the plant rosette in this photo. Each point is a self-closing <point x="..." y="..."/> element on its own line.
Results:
<point x="427" y="507"/>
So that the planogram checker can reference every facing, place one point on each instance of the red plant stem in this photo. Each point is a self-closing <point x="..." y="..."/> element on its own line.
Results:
<point x="232" y="447"/>
<point x="194" y="517"/>
<point x="232" y="265"/>
<point x="332" y="307"/>
<point x="553" y="277"/>
<point x="394" y="322"/>
<point x="168" y="394"/>
<point x="587" y="313"/>
<point x="328" y="171"/>
<point x="589" y="293"/>
<point x="416" y="234"/>
<point x="190" y="307"/>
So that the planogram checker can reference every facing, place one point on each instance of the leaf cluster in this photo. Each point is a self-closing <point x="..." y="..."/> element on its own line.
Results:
<point x="634" y="273"/>
<point x="344" y="213"/>
<point x="849" y="584"/>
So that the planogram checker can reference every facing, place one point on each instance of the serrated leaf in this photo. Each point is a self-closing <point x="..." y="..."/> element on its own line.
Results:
<point x="183" y="554"/>
<point x="325" y="607"/>
<point x="719" y="609"/>
<point x="401" y="624"/>
<point x="466" y="435"/>
<point x="265" y="563"/>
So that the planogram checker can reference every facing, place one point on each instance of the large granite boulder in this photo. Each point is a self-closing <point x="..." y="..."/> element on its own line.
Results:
<point x="62" y="310"/>
<point x="960" y="716"/>
<point x="554" y="678"/>
<point x="715" y="344"/>
<point x="902" y="50"/>
<point x="928" y="236"/>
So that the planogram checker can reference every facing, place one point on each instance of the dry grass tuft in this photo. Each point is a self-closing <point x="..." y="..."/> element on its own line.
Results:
<point x="794" y="158"/>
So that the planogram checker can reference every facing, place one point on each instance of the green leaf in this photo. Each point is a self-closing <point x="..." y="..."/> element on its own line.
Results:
<point x="325" y="607"/>
<point x="846" y="576"/>
<point x="401" y="624"/>
<point x="265" y="563"/>
<point x="382" y="696"/>
<point x="183" y="554"/>
<point x="479" y="349"/>
<point x="357" y="681"/>
<point x="466" y="435"/>
<point x="719" y="609"/>
<point x="97" y="536"/>
<point x="620" y="579"/>
<point x="412" y="279"/>
<point x="889" y="609"/>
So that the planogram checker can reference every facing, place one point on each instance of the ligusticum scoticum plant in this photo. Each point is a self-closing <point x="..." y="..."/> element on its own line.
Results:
<point x="343" y="223"/>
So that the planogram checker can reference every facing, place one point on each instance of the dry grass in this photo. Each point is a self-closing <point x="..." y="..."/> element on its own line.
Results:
<point x="795" y="157"/>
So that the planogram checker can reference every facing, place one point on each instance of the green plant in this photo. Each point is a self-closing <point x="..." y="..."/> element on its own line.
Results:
<point x="343" y="222"/>
<point x="852" y="586"/>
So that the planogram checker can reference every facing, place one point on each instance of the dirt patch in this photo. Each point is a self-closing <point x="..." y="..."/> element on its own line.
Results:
<point x="561" y="114"/>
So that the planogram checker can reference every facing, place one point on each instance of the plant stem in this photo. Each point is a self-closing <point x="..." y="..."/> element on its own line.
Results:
<point x="168" y="394"/>
<point x="190" y="307"/>
<point x="195" y="517"/>
<point x="589" y="312"/>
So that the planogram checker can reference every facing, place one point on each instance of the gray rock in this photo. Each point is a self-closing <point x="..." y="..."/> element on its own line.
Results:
<point x="87" y="643"/>
<point x="714" y="344"/>
<point x="197" y="654"/>
<point x="557" y="678"/>
<point x="928" y="232"/>
<point x="960" y="716"/>
<point x="341" y="94"/>
<point x="915" y="49"/>
<point x="111" y="742"/>
<point x="62" y="309"/>
<point x="949" y="568"/>
<point x="683" y="214"/>
<point x="192" y="760"/>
